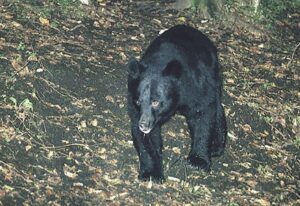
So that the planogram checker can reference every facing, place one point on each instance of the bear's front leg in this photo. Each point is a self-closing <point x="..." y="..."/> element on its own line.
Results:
<point x="149" y="148"/>
<point x="200" y="126"/>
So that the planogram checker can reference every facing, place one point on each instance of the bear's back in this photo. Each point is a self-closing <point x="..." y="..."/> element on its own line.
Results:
<point x="188" y="41"/>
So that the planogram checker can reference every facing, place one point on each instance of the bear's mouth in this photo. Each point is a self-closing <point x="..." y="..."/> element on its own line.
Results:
<point x="145" y="130"/>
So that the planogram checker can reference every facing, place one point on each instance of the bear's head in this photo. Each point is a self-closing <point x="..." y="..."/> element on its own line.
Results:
<point x="154" y="92"/>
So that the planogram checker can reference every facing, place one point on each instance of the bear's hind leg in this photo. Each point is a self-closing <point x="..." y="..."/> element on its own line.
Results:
<point x="219" y="133"/>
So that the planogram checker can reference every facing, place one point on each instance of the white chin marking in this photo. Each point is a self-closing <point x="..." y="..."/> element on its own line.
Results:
<point x="146" y="131"/>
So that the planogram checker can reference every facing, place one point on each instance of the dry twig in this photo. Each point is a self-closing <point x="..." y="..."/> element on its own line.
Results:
<point x="298" y="45"/>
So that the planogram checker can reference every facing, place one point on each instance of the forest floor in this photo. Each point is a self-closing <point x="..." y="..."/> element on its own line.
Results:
<point x="65" y="133"/>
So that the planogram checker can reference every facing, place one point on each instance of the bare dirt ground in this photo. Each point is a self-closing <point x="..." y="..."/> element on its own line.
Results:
<point x="64" y="130"/>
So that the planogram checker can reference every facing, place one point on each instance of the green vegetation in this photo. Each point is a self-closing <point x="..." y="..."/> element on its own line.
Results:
<point x="233" y="204"/>
<point x="297" y="141"/>
<point x="273" y="9"/>
<point x="21" y="46"/>
<point x="267" y="11"/>
<point x="51" y="10"/>
<point x="204" y="6"/>
<point x="270" y="12"/>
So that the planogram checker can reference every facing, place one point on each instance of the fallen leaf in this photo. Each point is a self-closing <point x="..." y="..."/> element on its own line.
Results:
<point x="174" y="179"/>
<point x="8" y="176"/>
<point x="176" y="150"/>
<point x="230" y="81"/>
<point x="39" y="70"/>
<point x="251" y="183"/>
<point x="78" y="184"/>
<point x="16" y="24"/>
<point x="70" y="174"/>
<point x="110" y="99"/>
<point x="69" y="171"/>
<point x="282" y="184"/>
<point x="181" y="19"/>
<point x="2" y="193"/>
<point x="15" y="65"/>
<point x="196" y="188"/>
<point x="49" y="192"/>
<point x="263" y="202"/>
<point x="86" y="2"/>
<point x="102" y="151"/>
<point x="8" y="17"/>
<point x="83" y="124"/>
<point x="134" y="38"/>
<point x="33" y="58"/>
<point x="50" y="154"/>
<point x="28" y="147"/>
<point x="94" y="122"/>
<point x="44" y="21"/>
<point x="247" y="128"/>
<point x="232" y="136"/>
<point x="172" y="134"/>
<point x="281" y="121"/>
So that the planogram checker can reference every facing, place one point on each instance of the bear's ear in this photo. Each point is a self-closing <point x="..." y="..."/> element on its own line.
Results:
<point x="173" y="68"/>
<point x="135" y="68"/>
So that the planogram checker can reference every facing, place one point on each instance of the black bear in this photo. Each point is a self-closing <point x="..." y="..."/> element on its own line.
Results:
<point x="179" y="72"/>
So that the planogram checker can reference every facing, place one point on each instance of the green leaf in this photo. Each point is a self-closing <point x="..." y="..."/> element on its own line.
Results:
<point x="26" y="104"/>
<point x="21" y="46"/>
<point x="13" y="100"/>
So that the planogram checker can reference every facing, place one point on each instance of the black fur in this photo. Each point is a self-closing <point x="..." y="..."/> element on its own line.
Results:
<point x="178" y="73"/>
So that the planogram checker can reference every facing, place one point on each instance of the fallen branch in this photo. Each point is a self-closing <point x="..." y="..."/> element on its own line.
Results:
<point x="68" y="145"/>
<point x="298" y="45"/>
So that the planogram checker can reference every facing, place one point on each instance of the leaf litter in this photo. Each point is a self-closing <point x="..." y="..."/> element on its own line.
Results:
<point x="65" y="135"/>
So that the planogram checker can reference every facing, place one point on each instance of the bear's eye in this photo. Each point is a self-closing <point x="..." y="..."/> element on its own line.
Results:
<point x="154" y="103"/>
<point x="138" y="102"/>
